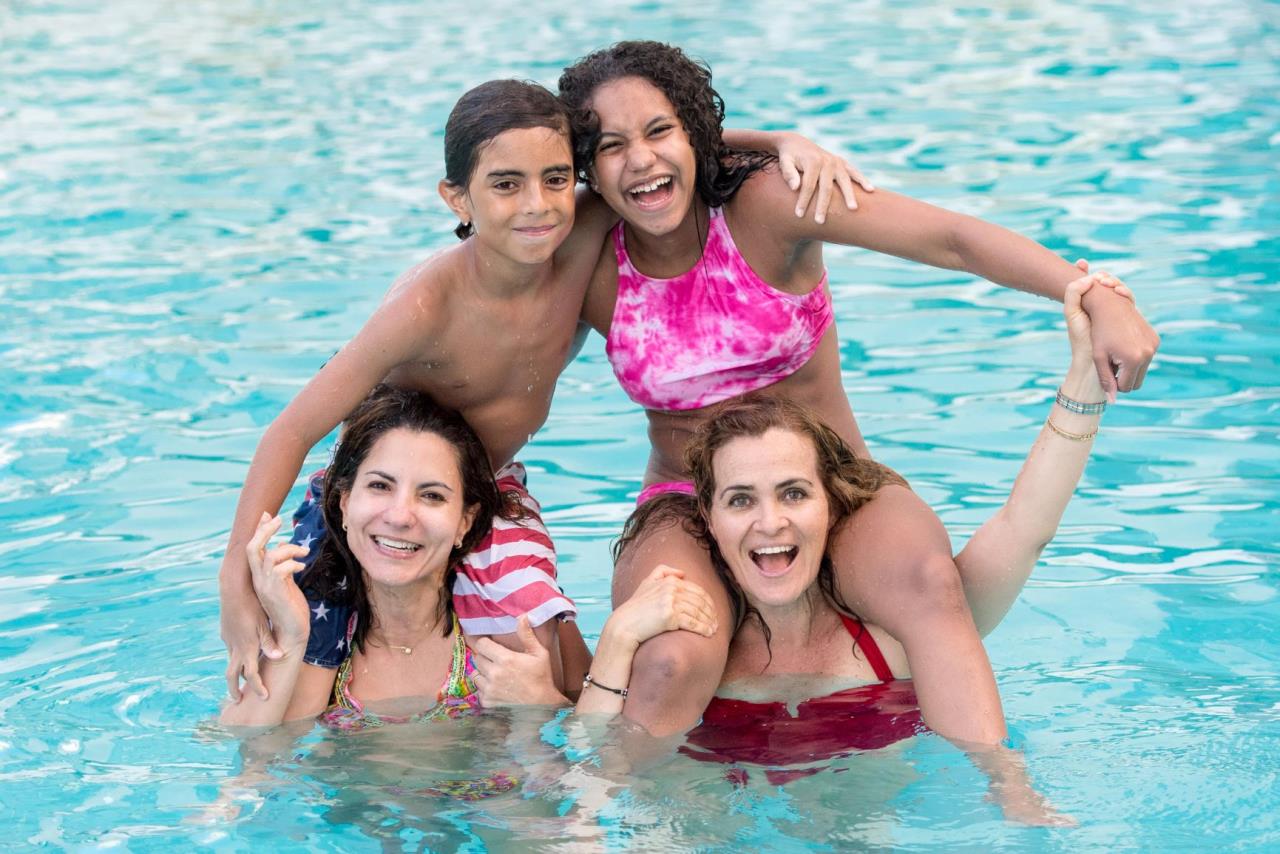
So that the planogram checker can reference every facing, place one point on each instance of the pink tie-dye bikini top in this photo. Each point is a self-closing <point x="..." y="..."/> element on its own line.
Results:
<point x="712" y="333"/>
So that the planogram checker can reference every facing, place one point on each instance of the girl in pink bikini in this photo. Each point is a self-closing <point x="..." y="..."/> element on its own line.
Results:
<point x="713" y="288"/>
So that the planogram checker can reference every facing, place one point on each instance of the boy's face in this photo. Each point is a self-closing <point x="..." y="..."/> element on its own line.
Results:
<point x="520" y="196"/>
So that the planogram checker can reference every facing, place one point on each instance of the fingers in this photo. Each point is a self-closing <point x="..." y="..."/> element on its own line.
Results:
<point x="1140" y="376"/>
<point x="790" y="174"/>
<point x="486" y="650"/>
<point x="844" y="180"/>
<point x="826" y="182"/>
<point x="1083" y="265"/>
<point x="663" y="571"/>
<point x="1073" y="297"/>
<point x="253" y="680"/>
<point x="1106" y="374"/>
<point x="233" y="682"/>
<point x="808" y="183"/>
<point x="524" y="633"/>
<point x="1125" y="377"/>
<point x="267" y="643"/>
<point x="861" y="180"/>
<point x="267" y="527"/>
<point x="693" y="609"/>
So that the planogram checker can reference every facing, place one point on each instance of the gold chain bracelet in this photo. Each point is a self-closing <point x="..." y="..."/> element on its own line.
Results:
<point x="1067" y="434"/>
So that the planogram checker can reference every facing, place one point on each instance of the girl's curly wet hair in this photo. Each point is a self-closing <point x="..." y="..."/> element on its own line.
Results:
<point x="687" y="84"/>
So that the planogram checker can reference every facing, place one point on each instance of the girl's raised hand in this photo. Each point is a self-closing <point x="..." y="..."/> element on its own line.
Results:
<point x="272" y="571"/>
<point x="663" y="602"/>
<point x="809" y="168"/>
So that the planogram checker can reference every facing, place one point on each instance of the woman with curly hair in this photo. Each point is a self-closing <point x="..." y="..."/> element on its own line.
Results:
<point x="715" y="288"/>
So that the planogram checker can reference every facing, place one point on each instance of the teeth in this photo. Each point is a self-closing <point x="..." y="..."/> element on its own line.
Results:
<point x="397" y="544"/>
<point x="651" y="186"/>
<point x="773" y="550"/>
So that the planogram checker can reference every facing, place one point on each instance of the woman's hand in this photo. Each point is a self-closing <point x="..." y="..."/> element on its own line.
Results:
<point x="808" y="167"/>
<point x="663" y="602"/>
<point x="1123" y="342"/>
<point x="1082" y="381"/>
<point x="272" y="573"/>
<point x="246" y="632"/>
<point x="509" y="677"/>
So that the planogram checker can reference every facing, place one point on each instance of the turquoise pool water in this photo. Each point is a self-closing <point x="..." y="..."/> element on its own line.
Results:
<point x="199" y="202"/>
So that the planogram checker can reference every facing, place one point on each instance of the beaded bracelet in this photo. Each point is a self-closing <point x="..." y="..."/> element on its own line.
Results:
<point x="621" y="692"/>
<point x="1080" y="408"/>
<point x="1067" y="434"/>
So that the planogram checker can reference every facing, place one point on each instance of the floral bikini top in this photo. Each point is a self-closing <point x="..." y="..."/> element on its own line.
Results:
<point x="714" y="332"/>
<point x="456" y="697"/>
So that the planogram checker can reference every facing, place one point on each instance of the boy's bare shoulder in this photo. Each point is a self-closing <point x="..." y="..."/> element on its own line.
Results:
<point x="416" y="310"/>
<point x="427" y="284"/>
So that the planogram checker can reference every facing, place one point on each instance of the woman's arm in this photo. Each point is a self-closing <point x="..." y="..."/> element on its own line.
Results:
<point x="663" y="602"/>
<point x="997" y="561"/>
<point x="294" y="689"/>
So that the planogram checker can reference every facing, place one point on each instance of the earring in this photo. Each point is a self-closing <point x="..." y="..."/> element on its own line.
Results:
<point x="344" y="525"/>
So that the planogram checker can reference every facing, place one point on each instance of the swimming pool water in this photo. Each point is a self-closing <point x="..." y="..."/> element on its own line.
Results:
<point x="199" y="202"/>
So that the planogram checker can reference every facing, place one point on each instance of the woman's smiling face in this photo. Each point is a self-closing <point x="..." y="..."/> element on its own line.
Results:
<point x="645" y="166"/>
<point x="405" y="511"/>
<point x="770" y="515"/>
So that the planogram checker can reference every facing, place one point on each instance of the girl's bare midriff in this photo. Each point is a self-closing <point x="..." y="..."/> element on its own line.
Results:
<point x="816" y="385"/>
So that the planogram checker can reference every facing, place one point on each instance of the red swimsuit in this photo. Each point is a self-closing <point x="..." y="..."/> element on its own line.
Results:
<point x="863" y="718"/>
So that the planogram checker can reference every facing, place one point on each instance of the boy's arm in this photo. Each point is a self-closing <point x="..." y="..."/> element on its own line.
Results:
<point x="998" y="560"/>
<point x="388" y="339"/>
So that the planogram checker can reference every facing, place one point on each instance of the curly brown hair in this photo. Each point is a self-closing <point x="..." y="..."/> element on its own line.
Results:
<point x="686" y="83"/>
<point x="849" y="481"/>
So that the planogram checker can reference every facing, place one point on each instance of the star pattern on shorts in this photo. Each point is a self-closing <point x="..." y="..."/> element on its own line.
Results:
<point x="306" y="542"/>
<point x="321" y="612"/>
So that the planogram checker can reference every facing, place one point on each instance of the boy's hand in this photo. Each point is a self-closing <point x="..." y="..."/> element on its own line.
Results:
<point x="808" y="167"/>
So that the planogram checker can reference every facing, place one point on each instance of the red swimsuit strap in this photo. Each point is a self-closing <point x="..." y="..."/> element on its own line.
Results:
<point x="869" y="648"/>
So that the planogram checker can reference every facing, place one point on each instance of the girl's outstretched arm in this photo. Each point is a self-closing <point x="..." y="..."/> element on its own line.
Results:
<point x="997" y="561"/>
<point x="1123" y="341"/>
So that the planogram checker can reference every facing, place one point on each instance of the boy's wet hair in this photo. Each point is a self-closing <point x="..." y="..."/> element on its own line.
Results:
<point x="686" y="82"/>
<point x="485" y="112"/>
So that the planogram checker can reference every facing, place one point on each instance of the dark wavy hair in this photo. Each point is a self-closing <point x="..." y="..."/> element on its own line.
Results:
<point x="336" y="575"/>
<point x="485" y="112"/>
<point x="687" y="84"/>
<point x="849" y="481"/>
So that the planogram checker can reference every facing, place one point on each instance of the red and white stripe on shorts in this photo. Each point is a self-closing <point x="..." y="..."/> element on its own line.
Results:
<point x="512" y="571"/>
